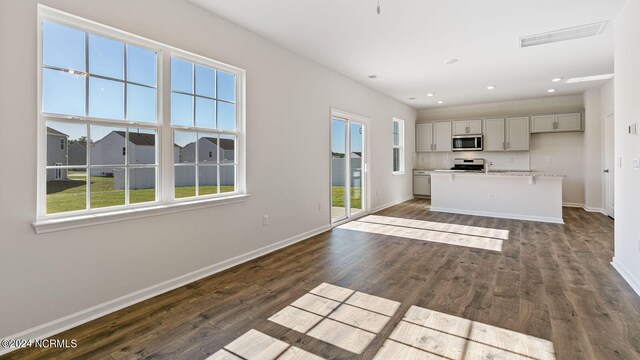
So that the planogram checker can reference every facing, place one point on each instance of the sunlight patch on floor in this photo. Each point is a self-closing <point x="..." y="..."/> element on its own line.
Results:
<point x="428" y="334"/>
<point x="351" y="320"/>
<point x="256" y="345"/>
<point x="439" y="226"/>
<point x="450" y="238"/>
<point x="339" y="316"/>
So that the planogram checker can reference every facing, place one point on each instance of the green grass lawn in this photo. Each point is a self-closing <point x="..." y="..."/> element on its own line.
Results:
<point x="70" y="195"/>
<point x="338" y="197"/>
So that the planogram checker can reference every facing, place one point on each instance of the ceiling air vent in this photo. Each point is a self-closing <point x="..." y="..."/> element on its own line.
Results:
<point x="572" y="33"/>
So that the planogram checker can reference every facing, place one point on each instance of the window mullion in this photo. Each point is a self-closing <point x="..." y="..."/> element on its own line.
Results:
<point x="86" y="78"/>
<point x="167" y="171"/>
<point x="124" y="91"/>
<point x="126" y="167"/>
<point x="88" y="167"/>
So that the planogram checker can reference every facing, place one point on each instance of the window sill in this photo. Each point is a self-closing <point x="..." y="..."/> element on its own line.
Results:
<point x="51" y="225"/>
<point x="398" y="173"/>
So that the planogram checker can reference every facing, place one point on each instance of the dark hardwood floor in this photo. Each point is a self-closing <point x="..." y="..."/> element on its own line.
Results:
<point x="550" y="281"/>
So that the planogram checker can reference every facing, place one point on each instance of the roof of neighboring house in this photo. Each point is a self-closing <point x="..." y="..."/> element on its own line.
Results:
<point x="226" y="144"/>
<point x="139" y="138"/>
<point x="55" y="132"/>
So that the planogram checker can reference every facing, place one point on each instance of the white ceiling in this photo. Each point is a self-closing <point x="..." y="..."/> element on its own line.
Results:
<point x="408" y="45"/>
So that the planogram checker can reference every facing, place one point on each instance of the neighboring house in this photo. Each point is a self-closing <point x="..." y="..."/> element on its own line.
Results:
<point x="338" y="164"/>
<point x="56" y="154"/>
<point x="111" y="150"/>
<point x="77" y="154"/>
<point x="207" y="147"/>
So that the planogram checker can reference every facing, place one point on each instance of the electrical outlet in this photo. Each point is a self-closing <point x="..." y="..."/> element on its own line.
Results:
<point x="319" y="206"/>
<point x="490" y="196"/>
<point x="265" y="220"/>
<point x="636" y="163"/>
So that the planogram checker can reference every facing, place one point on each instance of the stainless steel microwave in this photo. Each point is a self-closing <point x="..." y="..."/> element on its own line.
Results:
<point x="467" y="143"/>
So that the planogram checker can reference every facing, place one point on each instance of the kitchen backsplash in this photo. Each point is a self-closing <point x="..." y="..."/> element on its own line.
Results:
<point x="500" y="160"/>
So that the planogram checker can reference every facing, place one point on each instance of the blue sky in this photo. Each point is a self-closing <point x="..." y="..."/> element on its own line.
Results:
<point x="338" y="130"/>
<point x="64" y="93"/>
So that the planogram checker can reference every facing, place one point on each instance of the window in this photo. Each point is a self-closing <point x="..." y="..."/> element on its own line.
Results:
<point x="398" y="146"/>
<point x="203" y="116"/>
<point x="101" y="124"/>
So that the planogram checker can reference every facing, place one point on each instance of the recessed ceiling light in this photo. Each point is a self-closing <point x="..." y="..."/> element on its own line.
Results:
<point x="491" y="87"/>
<point x="373" y="77"/>
<point x="440" y="102"/>
<point x="412" y="98"/>
<point x="590" y="78"/>
<point x="452" y="61"/>
<point x="551" y="90"/>
<point x="430" y="94"/>
<point x="556" y="79"/>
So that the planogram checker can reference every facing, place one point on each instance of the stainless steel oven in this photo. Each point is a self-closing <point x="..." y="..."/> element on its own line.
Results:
<point x="467" y="143"/>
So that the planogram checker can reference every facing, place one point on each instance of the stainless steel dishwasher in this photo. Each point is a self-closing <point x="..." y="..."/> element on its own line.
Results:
<point x="421" y="183"/>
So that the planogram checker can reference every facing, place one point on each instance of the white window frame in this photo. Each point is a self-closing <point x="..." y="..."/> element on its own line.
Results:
<point x="399" y="146"/>
<point x="198" y="130"/>
<point x="165" y="201"/>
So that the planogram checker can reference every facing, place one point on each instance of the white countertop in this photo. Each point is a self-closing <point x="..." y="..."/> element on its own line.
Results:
<point x="498" y="173"/>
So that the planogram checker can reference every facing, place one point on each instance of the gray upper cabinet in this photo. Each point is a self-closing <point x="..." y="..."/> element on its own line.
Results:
<point x="556" y="123"/>
<point x="467" y="127"/>
<point x="433" y="137"/>
<point x="506" y="134"/>
<point x="494" y="134"/>
<point x="517" y="133"/>
<point x="424" y="137"/>
<point x="442" y="136"/>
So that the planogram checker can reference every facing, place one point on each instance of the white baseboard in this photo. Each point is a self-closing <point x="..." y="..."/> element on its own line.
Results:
<point x="591" y="209"/>
<point x="59" y="325"/>
<point x="570" y="204"/>
<point x="390" y="204"/>
<point x="499" y="215"/>
<point x="584" y="207"/>
<point x="626" y="275"/>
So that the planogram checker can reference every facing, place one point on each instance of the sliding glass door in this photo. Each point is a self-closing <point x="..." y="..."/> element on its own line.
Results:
<point x="348" y="167"/>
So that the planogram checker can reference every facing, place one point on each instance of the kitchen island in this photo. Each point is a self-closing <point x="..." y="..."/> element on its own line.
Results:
<point x="522" y="195"/>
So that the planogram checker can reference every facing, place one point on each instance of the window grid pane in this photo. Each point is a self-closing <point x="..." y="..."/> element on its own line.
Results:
<point x="71" y="54"/>
<point x="211" y="93"/>
<point x="98" y="77"/>
<point x="117" y="156"/>
<point x="203" y="98"/>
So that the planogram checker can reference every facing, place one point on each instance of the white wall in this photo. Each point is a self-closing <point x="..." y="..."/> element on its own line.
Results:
<point x="45" y="277"/>
<point x="561" y="153"/>
<point x="593" y="149"/>
<point x="550" y="105"/>
<point x="627" y="147"/>
<point x="607" y="98"/>
<point x="557" y="153"/>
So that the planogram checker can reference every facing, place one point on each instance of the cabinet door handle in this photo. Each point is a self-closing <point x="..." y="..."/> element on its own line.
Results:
<point x="508" y="145"/>
<point x="504" y="146"/>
